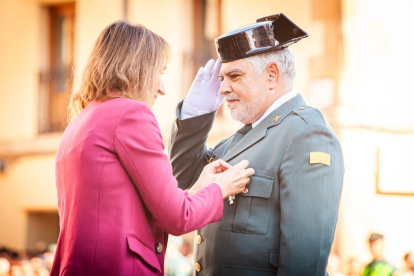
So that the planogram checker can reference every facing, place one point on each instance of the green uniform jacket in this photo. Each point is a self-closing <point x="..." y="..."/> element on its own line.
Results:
<point x="285" y="223"/>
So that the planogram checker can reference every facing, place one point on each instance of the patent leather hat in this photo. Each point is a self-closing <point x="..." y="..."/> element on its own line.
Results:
<point x="270" y="33"/>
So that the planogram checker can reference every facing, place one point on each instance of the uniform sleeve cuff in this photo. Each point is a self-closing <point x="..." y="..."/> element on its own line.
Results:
<point x="188" y="111"/>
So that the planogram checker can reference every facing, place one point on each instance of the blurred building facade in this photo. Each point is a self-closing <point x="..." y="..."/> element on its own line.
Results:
<point x="355" y="67"/>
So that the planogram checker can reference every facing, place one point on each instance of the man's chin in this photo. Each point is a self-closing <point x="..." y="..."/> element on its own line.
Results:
<point x="238" y="116"/>
<point x="243" y="117"/>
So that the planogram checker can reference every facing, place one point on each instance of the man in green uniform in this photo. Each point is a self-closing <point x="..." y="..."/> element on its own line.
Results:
<point x="379" y="266"/>
<point x="283" y="223"/>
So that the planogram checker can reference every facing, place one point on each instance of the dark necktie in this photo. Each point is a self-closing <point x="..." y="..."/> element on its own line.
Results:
<point x="240" y="134"/>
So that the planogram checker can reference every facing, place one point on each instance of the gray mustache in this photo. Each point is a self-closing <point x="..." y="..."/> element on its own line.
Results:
<point x="230" y="97"/>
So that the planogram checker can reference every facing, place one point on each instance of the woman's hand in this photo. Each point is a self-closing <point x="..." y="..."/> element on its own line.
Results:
<point x="209" y="175"/>
<point x="234" y="180"/>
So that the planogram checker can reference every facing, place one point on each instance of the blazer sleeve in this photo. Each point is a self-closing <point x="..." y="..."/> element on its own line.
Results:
<point x="139" y="145"/>
<point x="187" y="147"/>
<point x="309" y="201"/>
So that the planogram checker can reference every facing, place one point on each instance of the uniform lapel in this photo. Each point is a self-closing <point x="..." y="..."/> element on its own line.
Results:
<point x="259" y="132"/>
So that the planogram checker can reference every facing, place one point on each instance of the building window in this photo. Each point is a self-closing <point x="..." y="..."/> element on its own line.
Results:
<point x="204" y="26"/>
<point x="43" y="230"/>
<point x="56" y="65"/>
<point x="207" y="21"/>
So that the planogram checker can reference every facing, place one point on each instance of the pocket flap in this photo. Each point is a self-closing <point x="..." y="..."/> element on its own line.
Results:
<point x="146" y="254"/>
<point x="274" y="259"/>
<point x="260" y="186"/>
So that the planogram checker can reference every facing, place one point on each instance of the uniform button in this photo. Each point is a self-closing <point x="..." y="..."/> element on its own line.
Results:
<point x="197" y="267"/>
<point x="199" y="239"/>
<point x="158" y="247"/>
<point x="301" y="108"/>
<point x="245" y="191"/>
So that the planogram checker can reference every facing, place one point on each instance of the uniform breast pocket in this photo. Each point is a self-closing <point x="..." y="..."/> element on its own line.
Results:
<point x="250" y="213"/>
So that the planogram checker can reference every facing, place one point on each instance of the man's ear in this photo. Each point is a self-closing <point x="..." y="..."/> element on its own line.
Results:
<point x="273" y="74"/>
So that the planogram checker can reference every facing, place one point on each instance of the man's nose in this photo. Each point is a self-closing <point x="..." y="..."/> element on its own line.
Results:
<point x="225" y="88"/>
<point x="161" y="89"/>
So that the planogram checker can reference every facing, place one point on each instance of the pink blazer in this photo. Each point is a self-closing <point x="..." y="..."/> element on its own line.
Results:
<point x="117" y="197"/>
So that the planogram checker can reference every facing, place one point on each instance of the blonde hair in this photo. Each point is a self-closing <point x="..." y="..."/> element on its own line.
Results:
<point x="126" y="59"/>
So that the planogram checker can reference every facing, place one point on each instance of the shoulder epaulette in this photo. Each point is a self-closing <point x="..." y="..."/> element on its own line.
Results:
<point x="310" y="115"/>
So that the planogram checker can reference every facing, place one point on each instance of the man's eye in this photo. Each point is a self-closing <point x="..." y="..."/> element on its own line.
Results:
<point x="220" y="77"/>
<point x="233" y="77"/>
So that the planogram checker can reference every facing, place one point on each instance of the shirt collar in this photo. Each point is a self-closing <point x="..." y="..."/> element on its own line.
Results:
<point x="275" y="105"/>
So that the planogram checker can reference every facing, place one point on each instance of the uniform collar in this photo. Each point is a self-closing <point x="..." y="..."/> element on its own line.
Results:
<point x="275" y="105"/>
<point x="270" y="121"/>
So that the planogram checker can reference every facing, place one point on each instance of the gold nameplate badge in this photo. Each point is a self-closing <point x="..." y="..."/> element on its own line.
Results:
<point x="320" y="158"/>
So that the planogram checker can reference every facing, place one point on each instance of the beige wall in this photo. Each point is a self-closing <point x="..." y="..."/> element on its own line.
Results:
<point x="377" y="73"/>
<point x="18" y="76"/>
<point x="375" y="113"/>
<point x="362" y="210"/>
<point x="27" y="182"/>
<point x="27" y="185"/>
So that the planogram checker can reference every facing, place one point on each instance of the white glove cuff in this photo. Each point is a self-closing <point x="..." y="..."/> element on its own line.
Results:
<point x="188" y="111"/>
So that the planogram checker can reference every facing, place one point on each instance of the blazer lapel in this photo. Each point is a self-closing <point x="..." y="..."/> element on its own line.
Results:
<point x="259" y="132"/>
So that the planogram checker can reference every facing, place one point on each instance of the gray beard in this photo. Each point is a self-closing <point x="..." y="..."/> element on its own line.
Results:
<point x="246" y="112"/>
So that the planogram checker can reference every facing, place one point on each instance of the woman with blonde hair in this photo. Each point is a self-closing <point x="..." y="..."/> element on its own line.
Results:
<point x="117" y="197"/>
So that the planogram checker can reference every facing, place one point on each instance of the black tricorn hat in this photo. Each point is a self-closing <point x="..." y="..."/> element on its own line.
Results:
<point x="270" y="33"/>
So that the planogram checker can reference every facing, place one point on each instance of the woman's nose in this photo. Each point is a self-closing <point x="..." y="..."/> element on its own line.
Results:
<point x="161" y="89"/>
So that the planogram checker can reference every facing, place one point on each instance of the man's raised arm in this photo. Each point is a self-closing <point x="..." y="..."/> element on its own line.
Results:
<point x="194" y="119"/>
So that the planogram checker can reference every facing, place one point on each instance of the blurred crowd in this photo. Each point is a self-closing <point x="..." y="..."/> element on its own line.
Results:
<point x="36" y="262"/>
<point x="379" y="266"/>
<point x="179" y="261"/>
